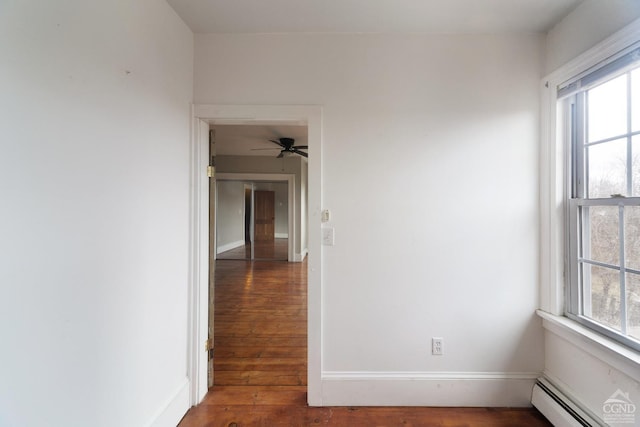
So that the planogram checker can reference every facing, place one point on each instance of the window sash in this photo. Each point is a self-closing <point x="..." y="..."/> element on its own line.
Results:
<point x="609" y="69"/>
<point x="579" y="295"/>
<point x="577" y="304"/>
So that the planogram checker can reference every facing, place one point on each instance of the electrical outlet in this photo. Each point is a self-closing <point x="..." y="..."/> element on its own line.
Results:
<point x="437" y="347"/>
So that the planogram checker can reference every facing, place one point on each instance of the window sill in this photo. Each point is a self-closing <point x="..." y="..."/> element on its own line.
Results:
<point x="608" y="351"/>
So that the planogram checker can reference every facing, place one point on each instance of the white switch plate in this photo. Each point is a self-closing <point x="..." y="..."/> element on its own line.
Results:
<point x="328" y="236"/>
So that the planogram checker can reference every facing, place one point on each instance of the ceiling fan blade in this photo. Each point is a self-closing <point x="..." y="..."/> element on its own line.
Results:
<point x="263" y="149"/>
<point x="279" y="143"/>
<point x="281" y="155"/>
<point x="302" y="153"/>
<point x="304" y="147"/>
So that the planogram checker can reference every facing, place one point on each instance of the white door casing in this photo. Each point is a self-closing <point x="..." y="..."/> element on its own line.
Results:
<point x="203" y="116"/>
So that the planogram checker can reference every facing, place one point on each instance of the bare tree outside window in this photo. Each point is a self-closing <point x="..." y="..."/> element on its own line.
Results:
<point x="607" y="204"/>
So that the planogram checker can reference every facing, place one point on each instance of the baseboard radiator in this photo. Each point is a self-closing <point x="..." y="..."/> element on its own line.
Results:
<point x="558" y="408"/>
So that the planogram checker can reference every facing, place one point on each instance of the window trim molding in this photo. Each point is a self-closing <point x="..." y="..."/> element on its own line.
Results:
<point x="553" y="166"/>
<point x="602" y="348"/>
<point x="554" y="188"/>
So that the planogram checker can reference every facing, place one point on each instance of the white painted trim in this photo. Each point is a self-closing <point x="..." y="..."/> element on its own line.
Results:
<point x="551" y="208"/>
<point x="312" y="117"/>
<point x="198" y="263"/>
<point x="427" y="375"/>
<point x="602" y="348"/>
<point x="552" y="166"/>
<point x="229" y="246"/>
<point x="597" y="54"/>
<point x="170" y="414"/>
<point x="281" y="235"/>
<point x="492" y="389"/>
<point x="302" y="256"/>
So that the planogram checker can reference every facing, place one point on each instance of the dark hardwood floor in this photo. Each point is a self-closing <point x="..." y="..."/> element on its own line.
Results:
<point x="260" y="324"/>
<point x="276" y="249"/>
<point x="261" y="355"/>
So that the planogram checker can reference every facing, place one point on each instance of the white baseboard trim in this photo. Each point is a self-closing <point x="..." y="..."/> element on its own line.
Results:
<point x="490" y="389"/>
<point x="170" y="414"/>
<point x="229" y="246"/>
<point x="300" y="257"/>
<point x="281" y="235"/>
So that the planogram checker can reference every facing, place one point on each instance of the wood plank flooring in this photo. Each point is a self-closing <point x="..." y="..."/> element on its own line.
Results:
<point x="276" y="249"/>
<point x="260" y="362"/>
<point x="260" y="325"/>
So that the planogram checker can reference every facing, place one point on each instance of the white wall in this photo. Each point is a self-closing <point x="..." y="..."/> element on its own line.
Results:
<point x="589" y="370"/>
<point x="230" y="215"/>
<point x="588" y="24"/>
<point x="94" y="135"/>
<point x="430" y="170"/>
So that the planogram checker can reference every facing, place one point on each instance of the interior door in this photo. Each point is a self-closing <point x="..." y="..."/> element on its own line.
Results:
<point x="212" y="252"/>
<point x="265" y="215"/>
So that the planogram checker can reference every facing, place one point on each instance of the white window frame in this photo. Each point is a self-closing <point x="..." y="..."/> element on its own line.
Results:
<point x="555" y="166"/>
<point x="578" y="306"/>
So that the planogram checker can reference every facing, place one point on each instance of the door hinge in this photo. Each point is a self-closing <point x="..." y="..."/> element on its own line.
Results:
<point x="210" y="171"/>
<point x="208" y="347"/>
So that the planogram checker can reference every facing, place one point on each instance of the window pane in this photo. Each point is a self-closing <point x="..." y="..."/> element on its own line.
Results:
<point x="602" y="292"/>
<point x="633" y="305"/>
<point x="607" y="169"/>
<point x="632" y="237"/>
<point x="635" y="100"/>
<point x="607" y="109"/>
<point x="603" y="243"/>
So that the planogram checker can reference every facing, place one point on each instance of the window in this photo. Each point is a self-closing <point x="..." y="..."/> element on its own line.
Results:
<point x="604" y="205"/>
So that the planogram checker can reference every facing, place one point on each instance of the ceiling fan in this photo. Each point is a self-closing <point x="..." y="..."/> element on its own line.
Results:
<point x="286" y="146"/>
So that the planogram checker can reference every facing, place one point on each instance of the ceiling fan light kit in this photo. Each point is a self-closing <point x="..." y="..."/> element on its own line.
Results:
<point x="287" y="146"/>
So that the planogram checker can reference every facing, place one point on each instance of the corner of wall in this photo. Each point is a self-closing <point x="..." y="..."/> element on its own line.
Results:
<point x="170" y="414"/>
<point x="587" y="25"/>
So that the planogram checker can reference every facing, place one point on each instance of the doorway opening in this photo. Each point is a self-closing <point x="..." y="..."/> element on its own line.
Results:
<point x="258" y="316"/>
<point x="259" y="322"/>
<point x="203" y="264"/>
<point x="252" y="220"/>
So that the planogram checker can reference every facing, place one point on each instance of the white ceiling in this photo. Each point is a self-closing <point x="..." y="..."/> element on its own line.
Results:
<point x="250" y="140"/>
<point x="354" y="16"/>
<point x="371" y="16"/>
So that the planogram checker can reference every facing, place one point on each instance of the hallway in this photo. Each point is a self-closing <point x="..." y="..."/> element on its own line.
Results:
<point x="260" y="324"/>
<point x="272" y="250"/>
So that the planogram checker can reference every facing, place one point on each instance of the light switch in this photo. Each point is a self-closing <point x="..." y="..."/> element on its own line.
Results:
<point x="328" y="236"/>
<point x="326" y="215"/>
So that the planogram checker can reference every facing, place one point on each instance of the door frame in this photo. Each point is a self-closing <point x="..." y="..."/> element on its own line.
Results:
<point x="290" y="179"/>
<point x="198" y="309"/>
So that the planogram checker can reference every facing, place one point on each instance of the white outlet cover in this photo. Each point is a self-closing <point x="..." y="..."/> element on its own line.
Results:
<point x="437" y="346"/>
